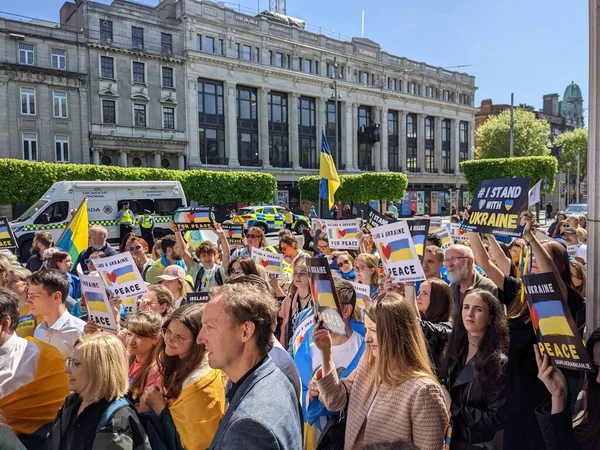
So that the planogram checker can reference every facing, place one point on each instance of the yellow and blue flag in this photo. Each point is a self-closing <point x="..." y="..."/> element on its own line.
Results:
<point x="75" y="238"/>
<point x="396" y="251"/>
<point x="95" y="302"/>
<point x="551" y="318"/>
<point x="419" y="241"/>
<point x="330" y="182"/>
<point x="4" y="232"/>
<point x="121" y="275"/>
<point x="270" y="264"/>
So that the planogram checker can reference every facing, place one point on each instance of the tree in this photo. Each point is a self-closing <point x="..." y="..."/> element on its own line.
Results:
<point x="358" y="188"/>
<point x="571" y="144"/>
<point x="530" y="135"/>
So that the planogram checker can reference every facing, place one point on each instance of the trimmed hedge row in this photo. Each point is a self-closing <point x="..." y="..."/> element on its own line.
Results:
<point x="535" y="167"/>
<point x="26" y="181"/>
<point x="358" y="188"/>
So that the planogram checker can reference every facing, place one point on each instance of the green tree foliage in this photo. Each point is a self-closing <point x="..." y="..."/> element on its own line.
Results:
<point x="530" y="135"/>
<point x="572" y="143"/>
<point x="26" y="182"/>
<point x="535" y="167"/>
<point x="358" y="188"/>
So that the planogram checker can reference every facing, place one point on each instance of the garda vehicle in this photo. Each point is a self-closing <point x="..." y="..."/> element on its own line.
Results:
<point x="53" y="211"/>
<point x="269" y="218"/>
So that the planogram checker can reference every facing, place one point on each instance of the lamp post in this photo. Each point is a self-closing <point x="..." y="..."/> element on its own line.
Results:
<point x="568" y="186"/>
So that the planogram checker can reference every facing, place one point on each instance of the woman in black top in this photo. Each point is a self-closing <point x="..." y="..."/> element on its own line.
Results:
<point x="473" y="370"/>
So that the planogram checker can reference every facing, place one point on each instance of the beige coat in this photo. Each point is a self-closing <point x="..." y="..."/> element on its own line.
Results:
<point x="414" y="411"/>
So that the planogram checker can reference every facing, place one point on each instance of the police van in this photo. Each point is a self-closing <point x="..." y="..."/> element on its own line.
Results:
<point x="53" y="211"/>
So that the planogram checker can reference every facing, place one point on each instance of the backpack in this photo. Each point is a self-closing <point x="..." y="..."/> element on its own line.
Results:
<point x="149" y="421"/>
<point x="200" y="274"/>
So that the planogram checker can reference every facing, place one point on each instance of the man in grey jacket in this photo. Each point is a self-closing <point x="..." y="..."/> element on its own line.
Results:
<point x="262" y="412"/>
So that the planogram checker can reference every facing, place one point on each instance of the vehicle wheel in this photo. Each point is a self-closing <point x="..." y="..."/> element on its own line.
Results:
<point x="24" y="251"/>
<point x="262" y="226"/>
<point x="300" y="227"/>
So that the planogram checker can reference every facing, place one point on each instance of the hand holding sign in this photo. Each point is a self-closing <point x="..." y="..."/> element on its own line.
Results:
<point x="553" y="379"/>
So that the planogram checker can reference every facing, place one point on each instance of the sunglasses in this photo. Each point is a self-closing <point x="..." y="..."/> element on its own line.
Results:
<point x="87" y="261"/>
<point x="135" y="248"/>
<point x="343" y="263"/>
<point x="252" y="236"/>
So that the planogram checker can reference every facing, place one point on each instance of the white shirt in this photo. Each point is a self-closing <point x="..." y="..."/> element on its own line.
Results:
<point x="62" y="334"/>
<point x="582" y="251"/>
<point x="18" y="364"/>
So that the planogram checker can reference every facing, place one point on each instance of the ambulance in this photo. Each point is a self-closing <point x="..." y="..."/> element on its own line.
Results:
<point x="53" y="211"/>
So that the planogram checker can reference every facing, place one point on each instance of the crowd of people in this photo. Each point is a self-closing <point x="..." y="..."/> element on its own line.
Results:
<point x="448" y="362"/>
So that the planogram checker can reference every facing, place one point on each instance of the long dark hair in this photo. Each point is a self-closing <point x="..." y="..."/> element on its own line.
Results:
<point x="440" y="302"/>
<point x="173" y="369"/>
<point x="490" y="360"/>
<point x="588" y="432"/>
<point x="247" y="265"/>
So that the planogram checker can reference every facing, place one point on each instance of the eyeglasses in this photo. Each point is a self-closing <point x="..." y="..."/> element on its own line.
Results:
<point x="174" y="338"/>
<point x="135" y="248"/>
<point x="299" y="274"/>
<point x="455" y="259"/>
<point x="147" y="301"/>
<point x="252" y="236"/>
<point x="71" y="363"/>
<point x="343" y="263"/>
<point x="361" y="268"/>
<point x="323" y="246"/>
<point x="238" y="271"/>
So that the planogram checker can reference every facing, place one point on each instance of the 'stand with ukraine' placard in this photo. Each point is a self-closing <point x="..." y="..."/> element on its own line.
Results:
<point x="497" y="207"/>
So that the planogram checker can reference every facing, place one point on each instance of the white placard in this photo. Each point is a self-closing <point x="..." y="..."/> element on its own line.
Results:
<point x="445" y="237"/>
<point x="397" y="251"/>
<point x="121" y="275"/>
<point x="300" y="332"/>
<point x="271" y="262"/>
<point x="99" y="308"/>
<point x="456" y="233"/>
<point x="343" y="234"/>
<point x="362" y="291"/>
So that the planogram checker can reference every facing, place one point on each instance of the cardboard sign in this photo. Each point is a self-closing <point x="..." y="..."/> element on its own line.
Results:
<point x="99" y="309"/>
<point x="271" y="262"/>
<point x="121" y="275"/>
<point x="444" y="236"/>
<point x="196" y="237"/>
<point x="193" y="218"/>
<point x="234" y="233"/>
<point x="362" y="291"/>
<point x="314" y="224"/>
<point x="376" y="219"/>
<point x="343" y="234"/>
<point x="197" y="297"/>
<point x="130" y="305"/>
<point x="456" y="233"/>
<point x="553" y="324"/>
<point x="397" y="251"/>
<point x="497" y="207"/>
<point x="328" y="308"/>
<point x="7" y="237"/>
<point x="418" y="230"/>
<point x="572" y="249"/>
<point x="434" y="224"/>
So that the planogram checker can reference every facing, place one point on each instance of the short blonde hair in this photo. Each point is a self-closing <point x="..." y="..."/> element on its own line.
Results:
<point x="103" y="358"/>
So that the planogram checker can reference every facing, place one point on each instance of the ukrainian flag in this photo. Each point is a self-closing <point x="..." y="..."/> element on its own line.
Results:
<point x="4" y="232"/>
<point x="396" y="251"/>
<point x="121" y="275"/>
<point x="324" y="294"/>
<point x="270" y="265"/>
<point x="552" y="319"/>
<point x="95" y="302"/>
<point x="330" y="181"/>
<point x="419" y="242"/>
<point x="74" y="240"/>
<point x="347" y="233"/>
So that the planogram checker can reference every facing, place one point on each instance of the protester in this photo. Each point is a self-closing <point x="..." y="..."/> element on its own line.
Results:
<point x="97" y="243"/>
<point x="324" y="251"/>
<point x="291" y="253"/>
<point x="393" y="394"/>
<point x="237" y="328"/>
<point x="558" y="229"/>
<point x="158" y="299"/>
<point x="97" y="370"/>
<point x="174" y="279"/>
<point x="62" y="261"/>
<point x="313" y="212"/>
<point x="345" y="263"/>
<point x="560" y="216"/>
<point x="192" y="402"/>
<point x="578" y="277"/>
<point x="46" y="294"/>
<point x="433" y="239"/>
<point x="139" y="250"/>
<point x="515" y="248"/>
<point x="171" y="255"/>
<point x="366" y="267"/>
<point x="582" y="235"/>
<point x="126" y="241"/>
<point x="32" y="379"/>
<point x="156" y="250"/>
<point x="16" y="281"/>
<point x="583" y="222"/>
<point x="255" y="238"/>
<point x="393" y="209"/>
<point x="42" y="240"/>
<point x="244" y="265"/>
<point x="298" y="300"/>
<point x="433" y="263"/>
<point x="571" y="238"/>
<point x="473" y="369"/>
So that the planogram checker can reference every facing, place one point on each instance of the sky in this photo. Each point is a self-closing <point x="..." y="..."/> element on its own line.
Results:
<point x="529" y="47"/>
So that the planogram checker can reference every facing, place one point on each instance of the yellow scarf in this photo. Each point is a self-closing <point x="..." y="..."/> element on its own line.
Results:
<point x="37" y="403"/>
<point x="198" y="411"/>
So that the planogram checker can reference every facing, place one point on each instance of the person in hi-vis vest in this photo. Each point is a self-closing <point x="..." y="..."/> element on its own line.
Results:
<point x="147" y="228"/>
<point x="126" y="220"/>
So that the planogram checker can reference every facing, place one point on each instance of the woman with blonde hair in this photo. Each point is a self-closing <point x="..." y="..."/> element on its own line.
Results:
<point x="579" y="277"/>
<point x="158" y="299"/>
<point x="393" y="394"/>
<point x="366" y="267"/>
<point x="96" y="414"/>
<point x="16" y="281"/>
<point x="174" y="279"/>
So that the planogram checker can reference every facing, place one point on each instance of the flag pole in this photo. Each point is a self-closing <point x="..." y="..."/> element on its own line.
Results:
<point x="72" y="218"/>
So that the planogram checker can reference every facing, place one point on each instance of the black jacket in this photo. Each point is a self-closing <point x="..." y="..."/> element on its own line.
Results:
<point x="559" y="433"/>
<point x="476" y="415"/>
<point x="122" y="431"/>
<point x="107" y="249"/>
<point x="436" y="336"/>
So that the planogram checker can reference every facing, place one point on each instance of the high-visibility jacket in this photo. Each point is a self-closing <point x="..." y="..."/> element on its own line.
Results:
<point x="147" y="222"/>
<point x="126" y="216"/>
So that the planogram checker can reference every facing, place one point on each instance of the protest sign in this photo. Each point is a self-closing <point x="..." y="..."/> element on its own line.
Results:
<point x="196" y="237"/>
<point x="130" y="305"/>
<point x="572" y="249"/>
<point x="121" y="275"/>
<point x="234" y="233"/>
<point x="300" y="333"/>
<point x="534" y="196"/>
<point x="434" y="224"/>
<point x="445" y="237"/>
<point x="328" y="308"/>
<point x="418" y="230"/>
<point x="99" y="309"/>
<point x="314" y="224"/>
<point x="397" y="251"/>
<point x="376" y="219"/>
<point x="197" y="297"/>
<point x="553" y="324"/>
<point x="7" y="237"/>
<point x="497" y="207"/>
<point x="362" y="291"/>
<point x="271" y="262"/>
<point x="193" y="218"/>
<point x="343" y="234"/>
<point x="456" y="233"/>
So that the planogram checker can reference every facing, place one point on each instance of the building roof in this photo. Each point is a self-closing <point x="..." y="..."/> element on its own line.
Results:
<point x="572" y="92"/>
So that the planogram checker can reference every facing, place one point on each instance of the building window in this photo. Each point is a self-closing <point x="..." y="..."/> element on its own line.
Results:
<point x="365" y="150"/>
<point x="257" y="54"/>
<point x="446" y="146"/>
<point x="28" y="101"/>
<point x="330" y="128"/>
<point x="307" y="66"/>
<point x="278" y="130"/>
<point x="210" y="97"/>
<point x="463" y="147"/>
<point x="59" y="59"/>
<point x="446" y="96"/>
<point x="167" y="77"/>
<point x="220" y="47"/>
<point x="279" y="59"/>
<point x="169" y="118"/>
<point x="26" y="54"/>
<point x="139" y="115"/>
<point x="246" y="98"/>
<point x="61" y="145"/>
<point x="309" y="158"/>
<point x="411" y="143"/>
<point x="429" y="145"/>
<point x="247" y="126"/>
<point x="107" y="67"/>
<point x="247" y="52"/>
<point x="211" y="122"/>
<point x="209" y="44"/>
<point x="139" y="69"/>
<point x="106" y="160"/>
<point x="199" y="42"/>
<point x="30" y="147"/>
<point x="166" y="43"/>
<point x="137" y="37"/>
<point x="106" y="31"/>
<point x="363" y="78"/>
<point x="212" y="146"/>
<point x="393" y="142"/>
<point x="60" y="103"/>
<point x="237" y="51"/>
<point x="109" y="111"/>
<point x="392" y="84"/>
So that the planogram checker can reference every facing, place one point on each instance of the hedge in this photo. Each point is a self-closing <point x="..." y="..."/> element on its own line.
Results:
<point x="24" y="182"/>
<point x="358" y="188"/>
<point x="535" y="167"/>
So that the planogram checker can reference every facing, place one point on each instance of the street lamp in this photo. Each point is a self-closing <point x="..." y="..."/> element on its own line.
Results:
<point x="336" y="97"/>
<point x="568" y="193"/>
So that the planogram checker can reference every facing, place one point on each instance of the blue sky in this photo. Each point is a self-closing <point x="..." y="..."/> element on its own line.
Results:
<point x="529" y="47"/>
